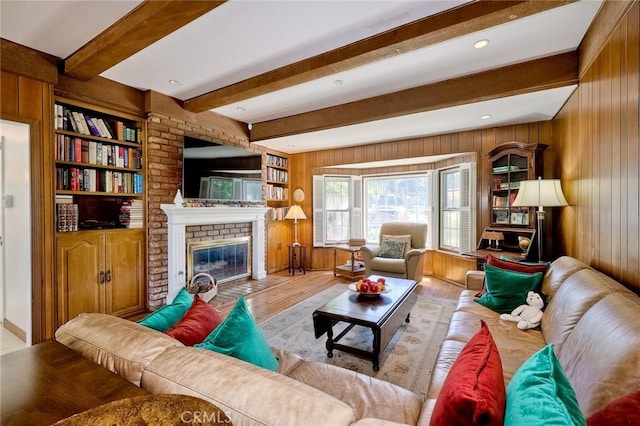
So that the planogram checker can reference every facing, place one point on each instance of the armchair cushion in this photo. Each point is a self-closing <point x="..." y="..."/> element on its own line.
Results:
<point x="392" y="249"/>
<point x="405" y="238"/>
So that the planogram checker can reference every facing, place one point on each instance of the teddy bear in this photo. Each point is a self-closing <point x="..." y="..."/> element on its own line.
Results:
<point x="528" y="315"/>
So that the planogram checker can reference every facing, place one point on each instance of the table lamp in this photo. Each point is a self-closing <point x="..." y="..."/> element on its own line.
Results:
<point x="295" y="212"/>
<point x="540" y="193"/>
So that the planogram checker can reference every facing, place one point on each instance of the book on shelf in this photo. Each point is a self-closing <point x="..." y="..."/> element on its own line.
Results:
<point x="131" y="213"/>
<point x="66" y="217"/>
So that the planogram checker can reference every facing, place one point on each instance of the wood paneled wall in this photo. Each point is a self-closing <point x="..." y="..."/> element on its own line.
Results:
<point x="476" y="143"/>
<point x="596" y="138"/>
<point x="30" y="101"/>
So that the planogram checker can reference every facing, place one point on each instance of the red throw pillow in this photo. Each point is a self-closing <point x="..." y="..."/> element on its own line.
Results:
<point x="619" y="412"/>
<point x="511" y="266"/>
<point x="473" y="392"/>
<point x="197" y="323"/>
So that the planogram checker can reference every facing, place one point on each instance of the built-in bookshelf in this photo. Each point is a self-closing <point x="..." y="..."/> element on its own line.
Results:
<point x="100" y="194"/>
<point x="98" y="164"/>
<point x="277" y="191"/>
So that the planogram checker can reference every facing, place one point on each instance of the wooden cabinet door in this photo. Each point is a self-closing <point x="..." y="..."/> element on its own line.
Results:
<point x="286" y="239"/>
<point x="279" y="236"/>
<point x="79" y="264"/>
<point x="124" y="270"/>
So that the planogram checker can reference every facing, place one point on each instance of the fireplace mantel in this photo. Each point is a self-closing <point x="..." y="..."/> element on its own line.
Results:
<point x="178" y="218"/>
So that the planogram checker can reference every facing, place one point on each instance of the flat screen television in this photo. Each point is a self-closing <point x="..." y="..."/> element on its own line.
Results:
<point x="215" y="171"/>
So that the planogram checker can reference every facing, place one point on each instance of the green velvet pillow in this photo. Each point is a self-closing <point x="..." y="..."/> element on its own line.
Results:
<point x="392" y="249"/>
<point x="167" y="316"/>
<point x="506" y="290"/>
<point x="239" y="336"/>
<point x="540" y="393"/>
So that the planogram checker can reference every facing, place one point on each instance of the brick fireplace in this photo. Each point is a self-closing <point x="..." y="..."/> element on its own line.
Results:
<point x="178" y="218"/>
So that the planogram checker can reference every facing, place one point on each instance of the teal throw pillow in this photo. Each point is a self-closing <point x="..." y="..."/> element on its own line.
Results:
<point x="239" y="336"/>
<point x="506" y="290"/>
<point x="392" y="249"/>
<point x="167" y="316"/>
<point x="540" y="393"/>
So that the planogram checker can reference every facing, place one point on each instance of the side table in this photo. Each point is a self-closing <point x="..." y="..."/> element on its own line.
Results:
<point x="349" y="270"/>
<point x="297" y="258"/>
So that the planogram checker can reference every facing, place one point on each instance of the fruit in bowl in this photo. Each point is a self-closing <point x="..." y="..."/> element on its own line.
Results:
<point x="368" y="286"/>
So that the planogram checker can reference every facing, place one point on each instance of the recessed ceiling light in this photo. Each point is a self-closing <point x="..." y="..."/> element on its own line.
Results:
<point x="241" y="109"/>
<point x="174" y="82"/>
<point x="481" y="43"/>
<point x="338" y="83"/>
<point x="484" y="117"/>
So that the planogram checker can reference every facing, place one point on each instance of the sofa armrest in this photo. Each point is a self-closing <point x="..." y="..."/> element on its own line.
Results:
<point x="415" y="252"/>
<point x="474" y="280"/>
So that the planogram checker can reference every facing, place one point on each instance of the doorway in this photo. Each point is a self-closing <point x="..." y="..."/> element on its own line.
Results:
<point x="15" y="229"/>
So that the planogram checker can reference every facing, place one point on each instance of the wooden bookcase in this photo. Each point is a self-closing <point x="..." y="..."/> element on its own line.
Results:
<point x="100" y="210"/>
<point x="511" y="163"/>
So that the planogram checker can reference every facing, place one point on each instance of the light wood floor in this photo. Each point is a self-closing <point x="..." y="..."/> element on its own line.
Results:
<point x="290" y="290"/>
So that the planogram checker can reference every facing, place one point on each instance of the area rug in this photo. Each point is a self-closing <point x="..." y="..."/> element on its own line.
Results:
<point x="407" y="361"/>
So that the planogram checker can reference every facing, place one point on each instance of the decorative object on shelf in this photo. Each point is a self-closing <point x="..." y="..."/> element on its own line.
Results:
<point x="540" y="193"/>
<point x="298" y="195"/>
<point x="494" y="238"/>
<point x="178" y="200"/>
<point x="524" y="243"/>
<point x="204" y="285"/>
<point x="295" y="212"/>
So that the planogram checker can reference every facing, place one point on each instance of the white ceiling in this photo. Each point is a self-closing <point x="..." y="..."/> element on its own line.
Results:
<point x="244" y="38"/>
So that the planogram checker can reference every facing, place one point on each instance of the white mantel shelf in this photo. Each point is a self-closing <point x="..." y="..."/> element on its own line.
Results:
<point x="178" y="218"/>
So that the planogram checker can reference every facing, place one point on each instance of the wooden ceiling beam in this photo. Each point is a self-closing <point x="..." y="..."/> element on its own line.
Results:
<point x="456" y="22"/>
<point x="540" y="74"/>
<point x="143" y="26"/>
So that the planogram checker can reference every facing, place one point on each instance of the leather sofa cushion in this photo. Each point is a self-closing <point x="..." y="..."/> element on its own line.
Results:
<point x="605" y="344"/>
<point x="368" y="396"/>
<point x="249" y="395"/>
<point x="119" y="345"/>
<point x="572" y="299"/>
<point x="559" y="270"/>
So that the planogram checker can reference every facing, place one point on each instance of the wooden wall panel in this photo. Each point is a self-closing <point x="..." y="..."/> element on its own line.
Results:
<point x="596" y="138"/>
<point x="476" y="142"/>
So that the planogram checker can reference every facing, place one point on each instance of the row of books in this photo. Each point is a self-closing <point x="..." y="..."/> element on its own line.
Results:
<point x="500" y="201"/>
<point x="66" y="214"/>
<point x="90" y="152"/>
<point x="504" y="169"/>
<point x="79" y="122"/>
<point x="277" y="193"/>
<point x="274" y="160"/>
<point x="131" y="213"/>
<point x="78" y="179"/>
<point x="276" y="213"/>
<point x="277" y="175"/>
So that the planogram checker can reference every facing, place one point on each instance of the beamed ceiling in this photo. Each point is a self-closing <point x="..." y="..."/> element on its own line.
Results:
<point x="309" y="75"/>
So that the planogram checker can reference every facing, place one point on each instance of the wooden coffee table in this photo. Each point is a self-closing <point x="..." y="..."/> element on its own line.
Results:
<point x="383" y="314"/>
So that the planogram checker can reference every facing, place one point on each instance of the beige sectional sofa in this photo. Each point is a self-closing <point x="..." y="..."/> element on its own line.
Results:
<point x="592" y="320"/>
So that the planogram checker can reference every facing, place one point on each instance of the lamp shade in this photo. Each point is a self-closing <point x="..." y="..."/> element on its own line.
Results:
<point x="540" y="193"/>
<point x="295" y="212"/>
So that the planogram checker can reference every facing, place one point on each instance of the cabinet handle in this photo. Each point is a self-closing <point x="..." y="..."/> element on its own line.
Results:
<point x="101" y="277"/>
<point x="108" y="275"/>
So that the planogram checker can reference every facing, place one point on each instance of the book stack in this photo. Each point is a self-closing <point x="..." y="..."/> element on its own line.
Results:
<point x="66" y="214"/>
<point x="131" y="213"/>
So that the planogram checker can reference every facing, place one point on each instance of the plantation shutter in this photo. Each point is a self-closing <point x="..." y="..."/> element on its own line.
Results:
<point x="318" y="211"/>
<point x="237" y="189"/>
<point x="467" y="207"/>
<point x="356" y="226"/>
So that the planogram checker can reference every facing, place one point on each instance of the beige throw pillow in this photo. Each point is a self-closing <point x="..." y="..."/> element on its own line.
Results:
<point x="405" y="238"/>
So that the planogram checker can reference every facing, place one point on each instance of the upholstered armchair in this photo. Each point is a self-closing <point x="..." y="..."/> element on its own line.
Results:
<point x="388" y="259"/>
